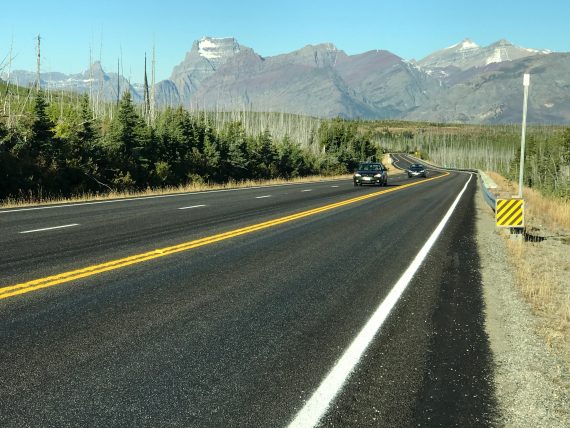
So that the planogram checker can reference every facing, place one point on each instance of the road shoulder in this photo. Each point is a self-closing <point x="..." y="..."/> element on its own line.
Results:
<point x="531" y="382"/>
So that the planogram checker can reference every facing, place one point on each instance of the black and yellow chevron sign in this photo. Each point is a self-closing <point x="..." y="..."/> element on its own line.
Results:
<point x="509" y="212"/>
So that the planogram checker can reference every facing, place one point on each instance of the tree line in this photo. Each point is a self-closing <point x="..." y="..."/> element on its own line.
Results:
<point x="63" y="151"/>
<point x="547" y="165"/>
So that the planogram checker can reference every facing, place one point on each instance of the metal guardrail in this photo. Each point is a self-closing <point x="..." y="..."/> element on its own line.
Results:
<point x="488" y="196"/>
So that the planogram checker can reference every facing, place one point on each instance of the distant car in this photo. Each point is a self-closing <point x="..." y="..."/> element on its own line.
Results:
<point x="371" y="173"/>
<point x="417" y="170"/>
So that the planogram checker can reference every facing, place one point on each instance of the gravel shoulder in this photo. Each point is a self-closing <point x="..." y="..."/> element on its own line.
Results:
<point x="532" y="382"/>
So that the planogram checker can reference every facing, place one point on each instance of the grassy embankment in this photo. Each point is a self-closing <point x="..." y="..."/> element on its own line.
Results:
<point x="541" y="263"/>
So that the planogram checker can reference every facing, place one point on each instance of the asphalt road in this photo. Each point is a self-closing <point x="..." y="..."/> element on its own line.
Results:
<point x="241" y="331"/>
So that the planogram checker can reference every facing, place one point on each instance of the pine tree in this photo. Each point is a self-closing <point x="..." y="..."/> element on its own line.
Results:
<point x="83" y="135"/>
<point x="41" y="143"/>
<point x="211" y="156"/>
<point x="267" y="155"/>
<point x="125" y="142"/>
<point x="86" y="133"/>
<point x="236" y="164"/>
<point x="290" y="158"/>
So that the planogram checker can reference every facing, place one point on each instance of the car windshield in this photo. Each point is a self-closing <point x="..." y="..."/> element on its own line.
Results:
<point x="417" y="166"/>
<point x="370" y="167"/>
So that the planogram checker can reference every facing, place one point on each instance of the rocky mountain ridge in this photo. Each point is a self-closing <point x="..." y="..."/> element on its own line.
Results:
<point x="92" y="81"/>
<point x="462" y="83"/>
<point x="468" y="54"/>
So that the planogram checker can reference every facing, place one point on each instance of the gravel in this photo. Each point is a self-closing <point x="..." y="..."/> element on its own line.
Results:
<point x="532" y="383"/>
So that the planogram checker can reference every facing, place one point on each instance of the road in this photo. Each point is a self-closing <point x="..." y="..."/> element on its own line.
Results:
<point x="232" y="308"/>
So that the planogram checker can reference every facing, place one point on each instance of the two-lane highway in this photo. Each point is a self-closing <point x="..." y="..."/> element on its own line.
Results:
<point x="247" y="302"/>
<point x="111" y="229"/>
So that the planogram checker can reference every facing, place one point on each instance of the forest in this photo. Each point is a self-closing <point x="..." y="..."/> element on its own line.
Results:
<point x="62" y="149"/>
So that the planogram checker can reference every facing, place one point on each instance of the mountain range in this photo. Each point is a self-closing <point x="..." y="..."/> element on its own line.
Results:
<point x="464" y="83"/>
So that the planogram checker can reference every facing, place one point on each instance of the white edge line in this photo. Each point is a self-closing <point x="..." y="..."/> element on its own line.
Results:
<point x="203" y="192"/>
<point x="264" y="196"/>
<point x="315" y="408"/>
<point x="50" y="228"/>
<point x="395" y="161"/>
<point x="193" y="206"/>
<point x="307" y="190"/>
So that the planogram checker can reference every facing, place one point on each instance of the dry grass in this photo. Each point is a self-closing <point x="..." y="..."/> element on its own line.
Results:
<point x="542" y="268"/>
<point x="194" y="187"/>
<point x="541" y="212"/>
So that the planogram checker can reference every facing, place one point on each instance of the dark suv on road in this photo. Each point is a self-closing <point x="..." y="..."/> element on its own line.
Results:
<point x="370" y="173"/>
<point x="417" y="170"/>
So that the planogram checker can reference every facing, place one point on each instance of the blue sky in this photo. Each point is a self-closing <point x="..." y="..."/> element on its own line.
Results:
<point x="410" y="29"/>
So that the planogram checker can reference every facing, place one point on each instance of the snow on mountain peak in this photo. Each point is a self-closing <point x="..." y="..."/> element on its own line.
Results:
<point x="215" y="48"/>
<point x="464" y="45"/>
<point x="498" y="55"/>
<point x="468" y="44"/>
<point x="207" y="48"/>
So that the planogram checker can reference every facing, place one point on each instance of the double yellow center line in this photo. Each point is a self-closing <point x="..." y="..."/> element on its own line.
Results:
<point x="49" y="281"/>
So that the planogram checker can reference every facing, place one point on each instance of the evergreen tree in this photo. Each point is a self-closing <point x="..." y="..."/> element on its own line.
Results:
<point x="41" y="142"/>
<point x="78" y="156"/>
<point x="236" y="162"/>
<point x="125" y="142"/>
<point x="86" y="133"/>
<point x="81" y="136"/>
<point x="177" y="144"/>
<point x="266" y="156"/>
<point x="290" y="159"/>
<point x="36" y="148"/>
<point x="211" y="156"/>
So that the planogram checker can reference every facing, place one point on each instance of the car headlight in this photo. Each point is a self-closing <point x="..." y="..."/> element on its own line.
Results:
<point x="378" y="176"/>
<point x="357" y="176"/>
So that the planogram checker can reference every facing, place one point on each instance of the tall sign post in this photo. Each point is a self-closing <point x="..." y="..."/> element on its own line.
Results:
<point x="526" y="84"/>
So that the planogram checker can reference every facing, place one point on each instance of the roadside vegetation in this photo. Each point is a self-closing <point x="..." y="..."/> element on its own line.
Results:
<point x="58" y="146"/>
<point x="541" y="264"/>
<point x="486" y="147"/>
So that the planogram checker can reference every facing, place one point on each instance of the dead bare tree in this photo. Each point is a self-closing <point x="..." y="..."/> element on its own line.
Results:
<point x="118" y="83"/>
<point x="91" y="81"/>
<point x="152" y="91"/>
<point x="146" y="98"/>
<point x="7" y="95"/>
<point x="38" y="64"/>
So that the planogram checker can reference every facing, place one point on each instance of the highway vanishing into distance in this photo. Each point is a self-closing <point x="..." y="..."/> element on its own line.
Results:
<point x="313" y="303"/>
